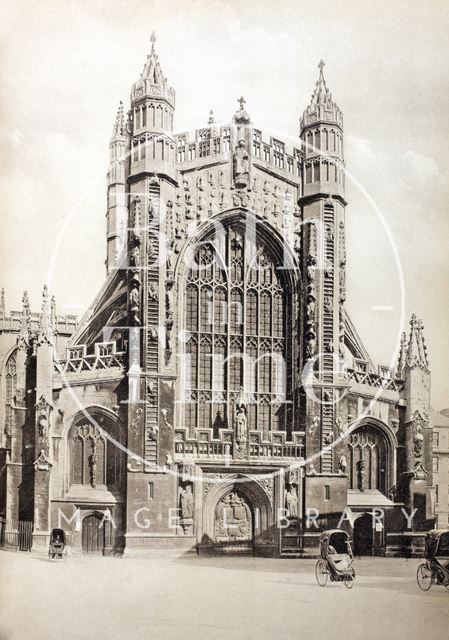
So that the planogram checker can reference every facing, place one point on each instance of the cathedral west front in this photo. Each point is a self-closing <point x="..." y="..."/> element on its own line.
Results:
<point x="216" y="396"/>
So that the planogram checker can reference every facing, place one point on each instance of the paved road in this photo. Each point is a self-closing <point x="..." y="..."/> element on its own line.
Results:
<point x="94" y="598"/>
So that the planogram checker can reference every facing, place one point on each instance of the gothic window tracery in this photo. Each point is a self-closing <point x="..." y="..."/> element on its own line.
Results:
<point x="235" y="313"/>
<point x="368" y="460"/>
<point x="94" y="459"/>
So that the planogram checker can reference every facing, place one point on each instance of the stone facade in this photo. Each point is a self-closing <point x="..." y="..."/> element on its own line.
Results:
<point x="216" y="394"/>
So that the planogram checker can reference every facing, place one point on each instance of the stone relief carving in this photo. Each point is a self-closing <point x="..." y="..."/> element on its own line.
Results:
<point x="43" y="462"/>
<point x="232" y="519"/>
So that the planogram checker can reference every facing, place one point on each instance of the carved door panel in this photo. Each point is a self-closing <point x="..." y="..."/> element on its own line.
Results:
<point x="233" y="520"/>
<point x="93" y="534"/>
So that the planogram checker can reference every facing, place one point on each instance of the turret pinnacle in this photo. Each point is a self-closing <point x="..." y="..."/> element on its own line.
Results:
<point x="321" y="94"/>
<point x="119" y="128"/>
<point x="152" y="69"/>
<point x="211" y="119"/>
<point x="402" y="354"/>
<point x="25" y="322"/>
<point x="45" y="331"/>
<point x="416" y="348"/>
<point x="322" y="107"/>
<point x="152" y="82"/>
<point x="2" y="302"/>
<point x="241" y="116"/>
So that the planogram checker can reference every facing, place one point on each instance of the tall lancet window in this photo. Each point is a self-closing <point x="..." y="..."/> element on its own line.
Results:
<point x="236" y="314"/>
<point x="10" y="384"/>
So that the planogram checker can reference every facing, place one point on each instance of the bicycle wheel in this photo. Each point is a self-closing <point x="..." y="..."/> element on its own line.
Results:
<point x="321" y="573"/>
<point x="424" y="577"/>
<point x="349" y="580"/>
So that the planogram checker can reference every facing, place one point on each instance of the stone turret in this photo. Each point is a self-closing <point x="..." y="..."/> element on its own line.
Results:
<point x="417" y="476"/>
<point x="116" y="204"/>
<point x="152" y="111"/>
<point x="324" y="259"/>
<point x="321" y="132"/>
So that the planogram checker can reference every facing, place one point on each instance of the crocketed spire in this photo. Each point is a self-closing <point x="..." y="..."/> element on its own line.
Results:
<point x="152" y="69"/>
<point x="119" y="128"/>
<point x="402" y="354"/>
<point x="45" y="331"/>
<point x="321" y="94"/>
<point x="416" y="349"/>
<point x="152" y="82"/>
<point x="322" y="106"/>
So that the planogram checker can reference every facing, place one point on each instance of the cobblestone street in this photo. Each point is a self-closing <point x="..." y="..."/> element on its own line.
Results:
<point x="92" y="598"/>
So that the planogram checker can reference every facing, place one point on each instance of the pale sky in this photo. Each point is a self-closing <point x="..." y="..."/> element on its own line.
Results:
<point x="65" y="66"/>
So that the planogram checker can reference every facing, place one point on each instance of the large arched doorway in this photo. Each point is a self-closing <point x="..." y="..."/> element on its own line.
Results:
<point x="93" y="534"/>
<point x="237" y="516"/>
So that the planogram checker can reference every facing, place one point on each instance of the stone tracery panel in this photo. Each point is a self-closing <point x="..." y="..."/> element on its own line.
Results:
<point x="236" y="315"/>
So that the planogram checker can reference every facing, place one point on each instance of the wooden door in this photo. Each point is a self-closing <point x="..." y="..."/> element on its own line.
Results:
<point x="93" y="534"/>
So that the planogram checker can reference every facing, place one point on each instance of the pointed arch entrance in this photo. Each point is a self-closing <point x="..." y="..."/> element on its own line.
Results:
<point x="237" y="516"/>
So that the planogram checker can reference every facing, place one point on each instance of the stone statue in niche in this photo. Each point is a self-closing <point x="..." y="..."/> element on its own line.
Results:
<point x="418" y="441"/>
<point x="134" y="303"/>
<point x="291" y="502"/>
<point x="241" y="427"/>
<point x="93" y="462"/>
<point x="343" y="464"/>
<point x="164" y="413"/>
<point x="152" y="293"/>
<point x="186" y="505"/>
<point x="241" y="424"/>
<point x="362" y="475"/>
<point x="314" y="426"/>
<point x="241" y="166"/>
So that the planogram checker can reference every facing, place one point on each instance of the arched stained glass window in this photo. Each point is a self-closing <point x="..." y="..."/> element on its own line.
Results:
<point x="11" y="385"/>
<point x="240" y="337"/>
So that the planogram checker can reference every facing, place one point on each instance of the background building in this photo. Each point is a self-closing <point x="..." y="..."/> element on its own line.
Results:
<point x="440" y="467"/>
<point x="216" y="358"/>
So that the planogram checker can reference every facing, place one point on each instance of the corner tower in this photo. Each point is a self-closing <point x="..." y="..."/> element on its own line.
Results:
<point x="323" y="263"/>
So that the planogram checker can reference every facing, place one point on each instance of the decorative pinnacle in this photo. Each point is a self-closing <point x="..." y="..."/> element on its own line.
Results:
<point x="153" y="41"/>
<point x="2" y="301"/>
<point x="241" y="116"/>
<point x="211" y="117"/>
<point x="321" y="65"/>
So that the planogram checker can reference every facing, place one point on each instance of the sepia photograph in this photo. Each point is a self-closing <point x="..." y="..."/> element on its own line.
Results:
<point x="224" y="274"/>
